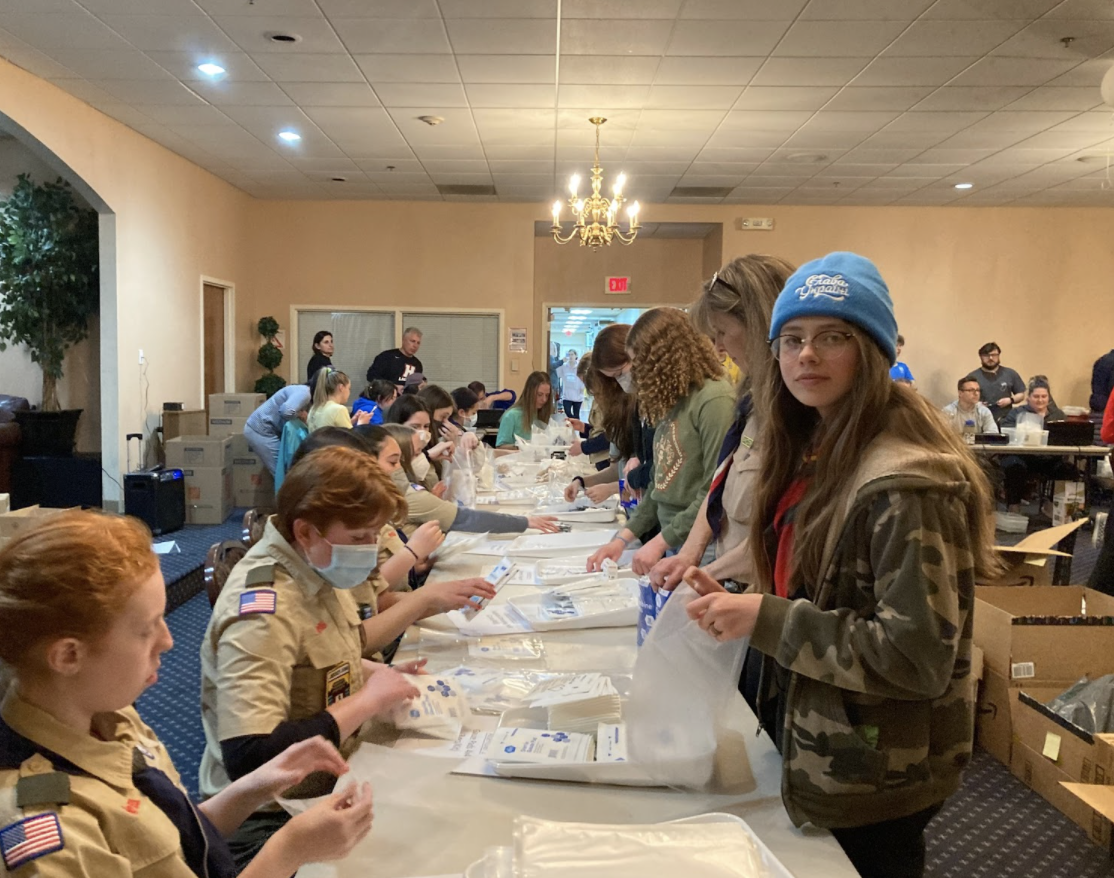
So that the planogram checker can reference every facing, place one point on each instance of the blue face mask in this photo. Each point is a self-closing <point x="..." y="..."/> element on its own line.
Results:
<point x="349" y="565"/>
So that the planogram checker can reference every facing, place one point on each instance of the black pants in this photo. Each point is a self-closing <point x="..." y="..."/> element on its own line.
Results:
<point x="891" y="849"/>
<point x="572" y="409"/>
<point x="1102" y="576"/>
<point x="1016" y="471"/>
<point x="248" y="840"/>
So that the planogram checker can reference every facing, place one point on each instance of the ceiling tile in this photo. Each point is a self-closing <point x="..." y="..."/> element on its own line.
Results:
<point x="950" y="156"/>
<point x="738" y="155"/>
<point x="935" y="39"/>
<point x="877" y="98"/>
<point x="1062" y="140"/>
<point x="890" y="139"/>
<point x="140" y="92"/>
<point x="784" y="98"/>
<point x="663" y="137"/>
<point x="718" y="169"/>
<point x="376" y="165"/>
<point x="38" y="63"/>
<point x="689" y="120"/>
<point x="86" y="91"/>
<point x="913" y="71"/>
<point x="183" y="65"/>
<point x="743" y="38"/>
<point x="512" y="167"/>
<point x="408" y="68"/>
<point x="829" y="120"/>
<point x="1058" y="98"/>
<point x="1041" y="39"/>
<point x="231" y="92"/>
<point x="847" y="169"/>
<point x="507" y="36"/>
<point x="379" y="8"/>
<point x="507" y="95"/>
<point x="606" y="70"/>
<point x="937" y="123"/>
<point x="745" y="139"/>
<point x="982" y="139"/>
<point x="523" y="119"/>
<point x="646" y="9"/>
<point x="681" y="97"/>
<point x="497" y="8"/>
<point x="765" y="120"/>
<point x="184" y="114"/>
<point x="706" y="71"/>
<point x="829" y="39"/>
<point x="308" y="67"/>
<point x="805" y="138"/>
<point x="926" y="170"/>
<point x="748" y="10"/>
<point x="613" y="37"/>
<point x="1029" y="123"/>
<point x="457" y="127"/>
<point x="536" y="152"/>
<point x="994" y="70"/>
<point x="331" y="94"/>
<point x="512" y="69"/>
<point x="971" y="97"/>
<point x="519" y="138"/>
<point x="415" y="36"/>
<point x="402" y="94"/>
<point x="171" y="33"/>
<point x="866" y="155"/>
<point x="865" y="10"/>
<point x="598" y="96"/>
<point x="70" y="30"/>
<point x="809" y="71"/>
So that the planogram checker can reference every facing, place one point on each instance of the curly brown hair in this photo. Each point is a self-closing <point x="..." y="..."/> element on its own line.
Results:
<point x="670" y="359"/>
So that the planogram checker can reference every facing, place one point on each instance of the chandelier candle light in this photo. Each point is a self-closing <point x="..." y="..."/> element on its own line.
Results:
<point x="595" y="216"/>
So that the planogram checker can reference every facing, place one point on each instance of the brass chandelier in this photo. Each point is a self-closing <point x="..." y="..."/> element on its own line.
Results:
<point x="596" y="216"/>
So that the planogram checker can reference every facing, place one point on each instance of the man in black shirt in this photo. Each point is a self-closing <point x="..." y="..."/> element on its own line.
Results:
<point x="999" y="386"/>
<point x="398" y="363"/>
<point x="1102" y="382"/>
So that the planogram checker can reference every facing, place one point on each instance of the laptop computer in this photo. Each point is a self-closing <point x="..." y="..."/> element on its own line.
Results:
<point x="488" y="418"/>
<point x="1070" y="432"/>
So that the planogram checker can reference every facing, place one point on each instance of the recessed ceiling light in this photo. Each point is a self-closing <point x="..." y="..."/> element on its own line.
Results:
<point x="1096" y="158"/>
<point x="284" y="38"/>
<point x="807" y="157"/>
<point x="964" y="185"/>
<point x="210" y="69"/>
<point x="340" y="179"/>
<point x="290" y="136"/>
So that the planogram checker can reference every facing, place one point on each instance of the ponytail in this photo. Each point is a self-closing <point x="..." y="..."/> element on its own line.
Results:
<point x="328" y="380"/>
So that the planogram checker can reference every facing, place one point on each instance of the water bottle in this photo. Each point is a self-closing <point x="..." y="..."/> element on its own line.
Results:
<point x="969" y="432"/>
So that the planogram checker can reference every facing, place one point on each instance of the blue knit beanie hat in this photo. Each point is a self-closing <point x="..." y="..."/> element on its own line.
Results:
<point x="843" y="285"/>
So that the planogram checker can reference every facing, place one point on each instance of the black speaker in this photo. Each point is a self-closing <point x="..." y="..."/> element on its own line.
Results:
<point x="157" y="497"/>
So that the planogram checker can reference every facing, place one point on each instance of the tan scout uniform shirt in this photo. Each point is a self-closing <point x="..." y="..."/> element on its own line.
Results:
<point x="423" y="506"/>
<point x="109" y="828"/>
<point x="738" y="494"/>
<point x="259" y="669"/>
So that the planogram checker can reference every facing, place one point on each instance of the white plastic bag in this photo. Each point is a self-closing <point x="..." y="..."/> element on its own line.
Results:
<point x="685" y="715"/>
<point x="461" y="477"/>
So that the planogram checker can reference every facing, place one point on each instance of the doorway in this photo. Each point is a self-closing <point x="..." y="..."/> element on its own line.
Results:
<point x="573" y="329"/>
<point x="216" y="342"/>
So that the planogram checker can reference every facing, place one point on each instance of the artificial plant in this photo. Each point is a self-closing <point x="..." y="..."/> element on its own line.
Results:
<point x="269" y="357"/>
<point x="49" y="275"/>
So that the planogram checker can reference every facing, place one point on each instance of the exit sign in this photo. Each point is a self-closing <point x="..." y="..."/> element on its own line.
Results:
<point x="618" y="285"/>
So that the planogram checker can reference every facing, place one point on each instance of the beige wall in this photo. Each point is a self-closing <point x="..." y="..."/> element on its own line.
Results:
<point x="173" y="223"/>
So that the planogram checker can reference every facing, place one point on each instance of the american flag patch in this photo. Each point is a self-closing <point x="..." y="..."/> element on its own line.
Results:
<point x="29" y="839"/>
<point x="261" y="600"/>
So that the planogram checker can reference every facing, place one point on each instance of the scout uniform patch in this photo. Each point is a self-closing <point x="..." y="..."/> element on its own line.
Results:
<point x="30" y="838"/>
<point x="338" y="683"/>
<point x="262" y="600"/>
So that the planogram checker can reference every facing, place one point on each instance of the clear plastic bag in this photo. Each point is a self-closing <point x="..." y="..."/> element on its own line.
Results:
<point x="461" y="476"/>
<point x="685" y="715"/>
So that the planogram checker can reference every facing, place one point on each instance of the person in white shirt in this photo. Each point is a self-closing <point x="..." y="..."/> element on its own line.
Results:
<point x="572" y="388"/>
<point x="968" y="408"/>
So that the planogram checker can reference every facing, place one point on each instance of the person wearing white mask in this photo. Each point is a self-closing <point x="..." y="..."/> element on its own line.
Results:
<point x="282" y="659"/>
<point x="411" y="411"/>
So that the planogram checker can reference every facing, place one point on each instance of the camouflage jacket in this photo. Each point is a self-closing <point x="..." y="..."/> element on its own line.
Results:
<point x="879" y="708"/>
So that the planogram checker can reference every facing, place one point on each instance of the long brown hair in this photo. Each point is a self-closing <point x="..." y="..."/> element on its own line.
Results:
<point x="670" y="360"/>
<point x="746" y="289"/>
<point x="525" y="401"/>
<point x="789" y="429"/>
<point x="616" y="406"/>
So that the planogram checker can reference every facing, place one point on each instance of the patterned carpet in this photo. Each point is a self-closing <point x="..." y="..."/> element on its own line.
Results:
<point x="994" y="827"/>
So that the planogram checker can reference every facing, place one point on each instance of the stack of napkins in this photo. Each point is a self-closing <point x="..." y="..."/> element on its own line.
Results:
<point x="539" y="745"/>
<point x="579" y="703"/>
<point x="439" y="711"/>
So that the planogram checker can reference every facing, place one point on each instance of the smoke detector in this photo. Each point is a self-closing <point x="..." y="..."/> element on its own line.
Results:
<point x="432" y="121"/>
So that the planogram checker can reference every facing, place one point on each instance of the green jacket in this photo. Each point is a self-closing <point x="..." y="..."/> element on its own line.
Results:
<point x="686" y="448"/>
<point x="879" y="708"/>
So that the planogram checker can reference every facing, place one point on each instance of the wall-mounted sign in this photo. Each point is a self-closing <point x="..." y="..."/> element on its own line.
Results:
<point x="518" y="339"/>
<point x="618" y="285"/>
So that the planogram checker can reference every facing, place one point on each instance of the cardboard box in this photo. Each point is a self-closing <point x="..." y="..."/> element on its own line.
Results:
<point x="237" y="405"/>
<point x="1031" y="561"/>
<point x="1083" y="756"/>
<point x="226" y="425"/>
<point x="249" y="499"/>
<point x="5" y="503"/>
<point x="185" y="423"/>
<point x="994" y="716"/>
<point x="1038" y="634"/>
<point x="252" y="482"/>
<point x="11" y="523"/>
<point x="240" y="446"/>
<point x="1068" y="501"/>
<point x="1100" y="799"/>
<point x="1055" y="787"/>
<point x="208" y="494"/>
<point x="192" y="452"/>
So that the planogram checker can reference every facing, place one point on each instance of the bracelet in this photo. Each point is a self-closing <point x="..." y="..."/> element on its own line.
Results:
<point x="581" y="480"/>
<point x="417" y="560"/>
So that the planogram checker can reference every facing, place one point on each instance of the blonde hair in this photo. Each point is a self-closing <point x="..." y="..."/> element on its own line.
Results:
<point x="669" y="360"/>
<point x="404" y="436"/>
<point x="69" y="576"/>
<point x="875" y="404"/>
<point x="745" y="289"/>
<point x="326" y="385"/>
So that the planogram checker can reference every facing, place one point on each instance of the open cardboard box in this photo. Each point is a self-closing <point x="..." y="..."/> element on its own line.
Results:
<point x="1030" y="562"/>
<point x="1099" y="799"/>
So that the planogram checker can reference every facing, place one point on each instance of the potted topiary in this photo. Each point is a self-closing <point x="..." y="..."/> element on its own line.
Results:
<point x="269" y="357"/>
<point x="49" y="289"/>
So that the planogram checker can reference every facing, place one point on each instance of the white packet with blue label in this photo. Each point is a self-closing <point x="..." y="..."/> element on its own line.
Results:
<point x="439" y="710"/>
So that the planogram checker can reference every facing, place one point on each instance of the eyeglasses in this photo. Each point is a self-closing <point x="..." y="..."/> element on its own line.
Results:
<point x="827" y="345"/>
<point x="969" y="390"/>
<point x="716" y="279"/>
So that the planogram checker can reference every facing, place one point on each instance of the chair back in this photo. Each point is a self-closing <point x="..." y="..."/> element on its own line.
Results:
<point x="220" y="560"/>
<point x="255" y="520"/>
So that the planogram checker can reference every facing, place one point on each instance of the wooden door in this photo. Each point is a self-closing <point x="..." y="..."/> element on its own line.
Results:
<point x="213" y="328"/>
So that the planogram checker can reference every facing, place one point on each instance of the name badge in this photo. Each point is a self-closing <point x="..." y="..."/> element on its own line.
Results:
<point x="338" y="683"/>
